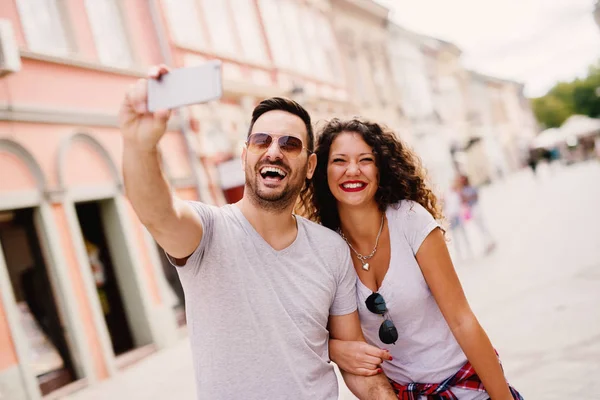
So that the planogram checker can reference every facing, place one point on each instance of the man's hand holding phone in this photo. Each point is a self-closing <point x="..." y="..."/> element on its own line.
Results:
<point x="146" y="110"/>
<point x="140" y="127"/>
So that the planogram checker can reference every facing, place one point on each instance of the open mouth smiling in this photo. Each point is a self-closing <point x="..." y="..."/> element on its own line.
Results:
<point x="272" y="173"/>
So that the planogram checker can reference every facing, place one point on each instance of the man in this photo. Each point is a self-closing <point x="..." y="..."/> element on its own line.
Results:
<point x="264" y="289"/>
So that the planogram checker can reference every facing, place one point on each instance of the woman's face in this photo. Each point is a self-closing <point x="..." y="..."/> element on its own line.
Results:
<point x="352" y="173"/>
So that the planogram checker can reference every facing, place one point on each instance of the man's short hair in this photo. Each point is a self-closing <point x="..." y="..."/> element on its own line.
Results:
<point x="287" y="105"/>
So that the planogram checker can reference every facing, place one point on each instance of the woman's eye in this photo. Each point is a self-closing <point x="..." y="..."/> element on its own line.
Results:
<point x="366" y="160"/>
<point x="338" y="160"/>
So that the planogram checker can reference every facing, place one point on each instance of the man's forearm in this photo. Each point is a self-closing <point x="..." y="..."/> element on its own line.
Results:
<point x="146" y="185"/>
<point x="375" y="387"/>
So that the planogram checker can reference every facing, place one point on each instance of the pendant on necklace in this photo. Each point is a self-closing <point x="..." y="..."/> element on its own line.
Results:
<point x="365" y="266"/>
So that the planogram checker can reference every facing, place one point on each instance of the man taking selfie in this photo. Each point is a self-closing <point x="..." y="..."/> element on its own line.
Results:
<point x="265" y="289"/>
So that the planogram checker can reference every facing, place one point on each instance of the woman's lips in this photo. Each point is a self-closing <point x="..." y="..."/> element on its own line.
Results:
<point x="353" y="186"/>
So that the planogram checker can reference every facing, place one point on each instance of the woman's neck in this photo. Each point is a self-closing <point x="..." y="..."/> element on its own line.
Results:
<point x="360" y="224"/>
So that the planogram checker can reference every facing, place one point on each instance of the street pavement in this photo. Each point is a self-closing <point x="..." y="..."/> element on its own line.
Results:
<point x="537" y="295"/>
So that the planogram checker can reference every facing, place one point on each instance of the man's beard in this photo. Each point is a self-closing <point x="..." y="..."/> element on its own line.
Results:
<point x="274" y="201"/>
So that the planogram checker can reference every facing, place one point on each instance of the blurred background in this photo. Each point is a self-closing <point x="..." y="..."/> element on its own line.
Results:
<point x="504" y="95"/>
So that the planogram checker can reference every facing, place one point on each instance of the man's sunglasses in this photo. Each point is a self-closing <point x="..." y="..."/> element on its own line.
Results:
<point x="291" y="146"/>
<point x="388" y="333"/>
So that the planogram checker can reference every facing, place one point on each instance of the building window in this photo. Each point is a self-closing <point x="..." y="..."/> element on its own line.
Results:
<point x="44" y="24"/>
<point x="299" y="50"/>
<point x="276" y="33"/>
<point x="356" y="77"/>
<point x="329" y="46"/>
<point x="219" y="24"/>
<point x="183" y="18"/>
<point x="316" y="51"/>
<point x="247" y="23"/>
<point x="106" y="21"/>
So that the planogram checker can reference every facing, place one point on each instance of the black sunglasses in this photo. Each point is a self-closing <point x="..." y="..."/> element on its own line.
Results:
<point x="388" y="333"/>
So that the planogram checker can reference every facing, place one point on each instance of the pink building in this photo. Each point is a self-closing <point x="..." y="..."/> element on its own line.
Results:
<point x="83" y="288"/>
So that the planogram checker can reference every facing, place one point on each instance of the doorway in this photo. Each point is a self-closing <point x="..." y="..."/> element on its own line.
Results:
<point x="49" y="355"/>
<point x="108" y="288"/>
<point x="177" y="300"/>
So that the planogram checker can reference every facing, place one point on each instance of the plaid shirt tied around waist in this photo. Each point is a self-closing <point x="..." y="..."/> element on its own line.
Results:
<point x="465" y="378"/>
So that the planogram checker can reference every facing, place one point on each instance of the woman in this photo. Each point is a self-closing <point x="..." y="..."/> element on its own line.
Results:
<point x="370" y="188"/>
<point x="470" y="199"/>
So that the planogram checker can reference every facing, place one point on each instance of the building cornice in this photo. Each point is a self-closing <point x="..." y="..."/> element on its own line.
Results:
<point x="80" y="63"/>
<point x="369" y="6"/>
<point x="47" y="115"/>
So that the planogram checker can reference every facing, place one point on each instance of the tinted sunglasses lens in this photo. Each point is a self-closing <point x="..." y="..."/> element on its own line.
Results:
<point x="387" y="332"/>
<point x="376" y="304"/>
<point x="258" y="142"/>
<point x="290" y="145"/>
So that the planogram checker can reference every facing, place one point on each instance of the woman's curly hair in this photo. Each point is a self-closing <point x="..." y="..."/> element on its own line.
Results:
<point x="401" y="176"/>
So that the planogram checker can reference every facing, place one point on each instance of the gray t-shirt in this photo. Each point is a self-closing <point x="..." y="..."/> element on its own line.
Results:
<point x="257" y="317"/>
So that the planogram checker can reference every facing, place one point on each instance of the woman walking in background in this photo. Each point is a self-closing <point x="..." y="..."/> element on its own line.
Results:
<point x="454" y="211"/>
<point x="470" y="198"/>
<point x="370" y="189"/>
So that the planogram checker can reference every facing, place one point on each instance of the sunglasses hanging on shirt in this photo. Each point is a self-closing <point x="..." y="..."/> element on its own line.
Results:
<point x="388" y="333"/>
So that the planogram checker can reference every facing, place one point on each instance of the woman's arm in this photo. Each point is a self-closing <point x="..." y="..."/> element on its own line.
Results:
<point x="439" y="273"/>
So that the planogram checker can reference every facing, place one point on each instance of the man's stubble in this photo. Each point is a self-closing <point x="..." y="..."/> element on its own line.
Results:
<point x="277" y="201"/>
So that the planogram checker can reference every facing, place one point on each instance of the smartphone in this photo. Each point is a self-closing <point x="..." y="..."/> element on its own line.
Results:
<point x="185" y="86"/>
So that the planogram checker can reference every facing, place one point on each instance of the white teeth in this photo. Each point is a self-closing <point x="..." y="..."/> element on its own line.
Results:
<point x="276" y="170"/>
<point x="353" y="185"/>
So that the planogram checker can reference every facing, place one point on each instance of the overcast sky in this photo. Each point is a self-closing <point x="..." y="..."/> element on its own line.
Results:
<point x="538" y="42"/>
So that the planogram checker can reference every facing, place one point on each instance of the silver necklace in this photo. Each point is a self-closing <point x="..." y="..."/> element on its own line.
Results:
<point x="363" y="259"/>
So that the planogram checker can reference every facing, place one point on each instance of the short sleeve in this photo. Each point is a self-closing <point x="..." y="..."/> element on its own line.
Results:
<point x="344" y="301"/>
<point x="207" y="216"/>
<point x="417" y="223"/>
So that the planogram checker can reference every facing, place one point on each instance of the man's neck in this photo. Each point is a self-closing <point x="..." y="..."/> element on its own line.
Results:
<point x="360" y="224"/>
<point x="277" y="227"/>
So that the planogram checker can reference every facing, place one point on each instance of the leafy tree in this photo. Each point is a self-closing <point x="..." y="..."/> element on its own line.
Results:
<point x="580" y="96"/>
<point x="551" y="111"/>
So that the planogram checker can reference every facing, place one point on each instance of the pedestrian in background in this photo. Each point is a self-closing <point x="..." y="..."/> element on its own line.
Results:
<point x="369" y="187"/>
<point x="472" y="211"/>
<point x="454" y="212"/>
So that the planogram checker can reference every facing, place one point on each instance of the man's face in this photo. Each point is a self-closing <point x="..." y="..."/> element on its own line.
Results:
<point x="275" y="176"/>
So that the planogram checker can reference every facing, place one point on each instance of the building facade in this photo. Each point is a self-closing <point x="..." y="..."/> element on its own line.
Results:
<point x="82" y="288"/>
<point x="415" y="81"/>
<point x="361" y="29"/>
<point x="597" y="13"/>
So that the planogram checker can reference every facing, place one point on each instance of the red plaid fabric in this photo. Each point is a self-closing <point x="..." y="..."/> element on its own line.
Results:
<point x="465" y="378"/>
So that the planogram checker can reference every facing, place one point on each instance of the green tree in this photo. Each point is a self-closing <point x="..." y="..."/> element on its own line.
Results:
<point x="580" y="96"/>
<point x="551" y="111"/>
<point x="585" y="94"/>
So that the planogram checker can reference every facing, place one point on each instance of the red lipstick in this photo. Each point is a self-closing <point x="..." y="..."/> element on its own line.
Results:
<point x="357" y="186"/>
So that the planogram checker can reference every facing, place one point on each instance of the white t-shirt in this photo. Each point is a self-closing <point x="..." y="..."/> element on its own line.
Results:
<point x="426" y="350"/>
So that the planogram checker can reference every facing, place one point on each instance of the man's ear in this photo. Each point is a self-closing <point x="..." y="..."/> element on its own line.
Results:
<point x="312" y="165"/>
<point x="244" y="158"/>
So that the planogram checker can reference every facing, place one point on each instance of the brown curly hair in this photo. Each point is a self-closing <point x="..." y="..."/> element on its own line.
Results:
<point x="401" y="175"/>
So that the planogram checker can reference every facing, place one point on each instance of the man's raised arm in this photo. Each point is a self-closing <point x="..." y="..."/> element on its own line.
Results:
<point x="172" y="222"/>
